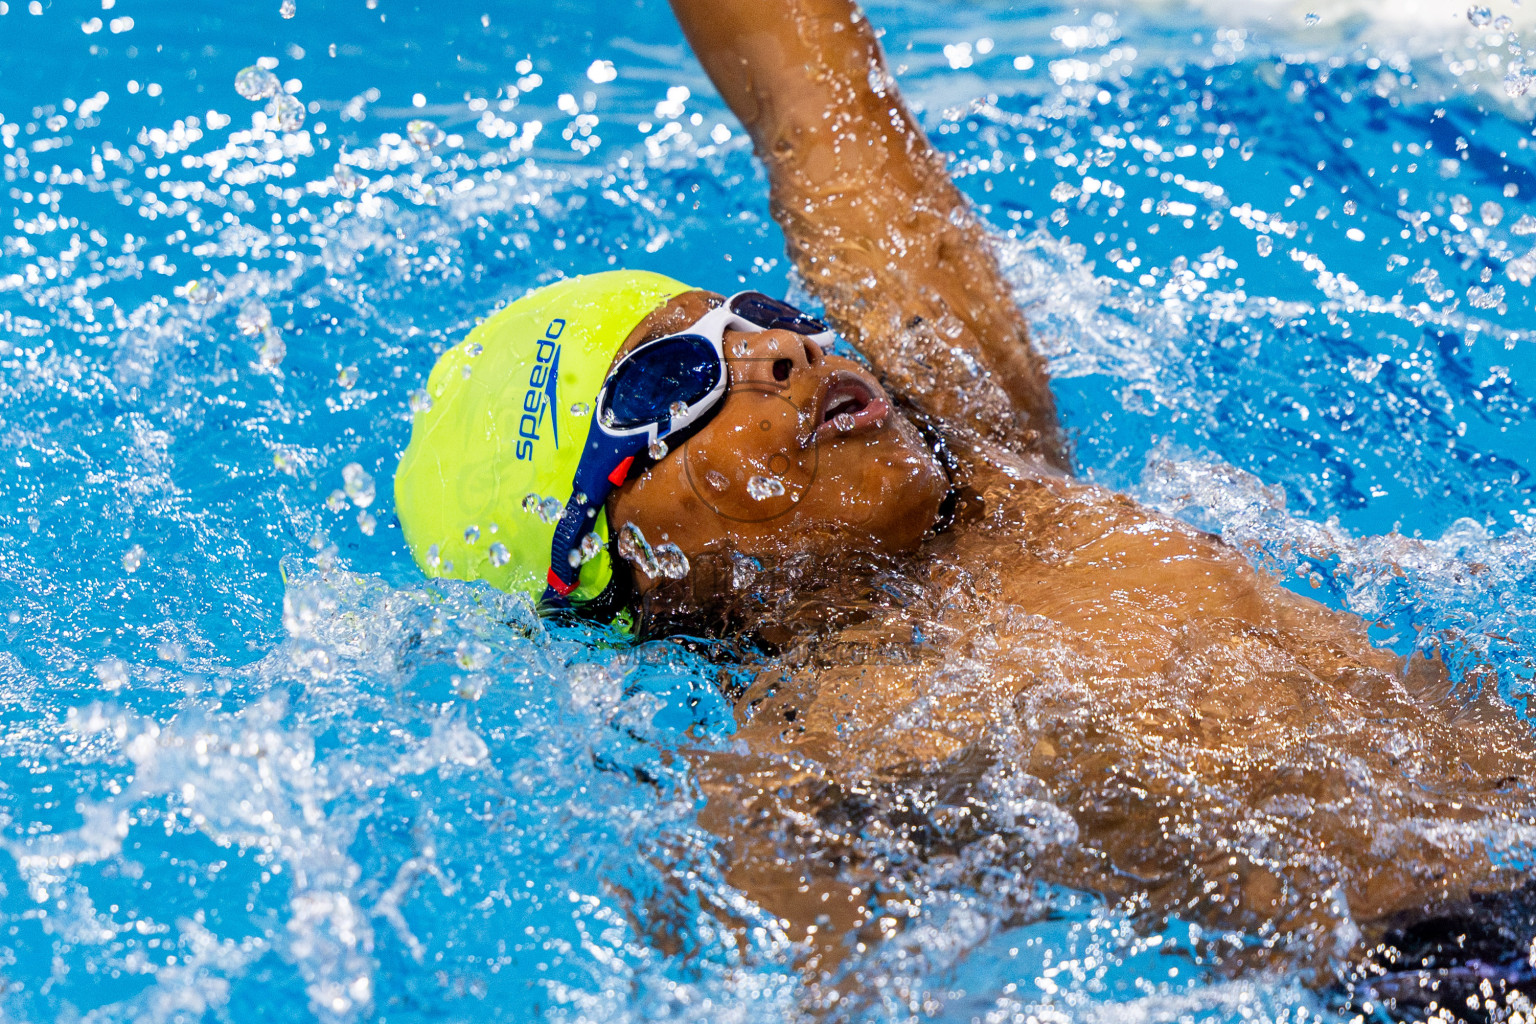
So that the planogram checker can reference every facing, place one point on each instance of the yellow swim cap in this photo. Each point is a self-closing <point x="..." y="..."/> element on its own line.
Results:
<point x="494" y="453"/>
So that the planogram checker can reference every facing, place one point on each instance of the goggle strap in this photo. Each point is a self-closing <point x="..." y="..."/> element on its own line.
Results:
<point x="558" y="585"/>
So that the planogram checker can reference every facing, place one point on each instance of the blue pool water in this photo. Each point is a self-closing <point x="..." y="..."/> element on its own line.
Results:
<point x="253" y="767"/>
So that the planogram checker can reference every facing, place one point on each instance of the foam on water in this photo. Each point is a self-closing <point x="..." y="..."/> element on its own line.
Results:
<point x="254" y="766"/>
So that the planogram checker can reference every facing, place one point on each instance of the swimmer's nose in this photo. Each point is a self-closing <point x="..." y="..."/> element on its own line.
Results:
<point x="784" y="352"/>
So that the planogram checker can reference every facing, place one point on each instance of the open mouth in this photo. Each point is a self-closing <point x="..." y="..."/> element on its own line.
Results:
<point x="849" y="405"/>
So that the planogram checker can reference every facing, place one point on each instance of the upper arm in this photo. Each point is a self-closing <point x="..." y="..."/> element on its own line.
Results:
<point x="873" y="222"/>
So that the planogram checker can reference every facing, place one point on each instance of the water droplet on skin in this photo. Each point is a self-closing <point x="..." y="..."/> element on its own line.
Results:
<point x="420" y="401"/>
<point x="717" y="480"/>
<point x="358" y="483"/>
<point x="581" y="410"/>
<point x="366" y="523"/>
<point x="657" y="450"/>
<point x="287" y="111"/>
<point x="844" y="421"/>
<point x="666" y="560"/>
<point x="500" y="556"/>
<point x="256" y="83"/>
<point x="336" y="501"/>
<point x="764" y="487"/>
<point x="550" y="510"/>
<point x="133" y="558"/>
<point x="671" y="562"/>
<point x="288" y="9"/>
<point x="423" y="133"/>
<point x="471" y="534"/>
<point x="636" y="550"/>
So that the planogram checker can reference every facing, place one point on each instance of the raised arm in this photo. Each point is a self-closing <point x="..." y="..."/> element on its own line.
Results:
<point x="874" y="224"/>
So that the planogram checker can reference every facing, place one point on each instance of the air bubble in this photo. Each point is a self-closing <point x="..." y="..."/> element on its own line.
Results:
<point x="358" y="483"/>
<point x="347" y="180"/>
<point x="550" y="510"/>
<point x="474" y="348"/>
<point x="1264" y="245"/>
<point x="273" y="350"/>
<point x="1479" y="16"/>
<point x="585" y="551"/>
<point x="133" y="558"/>
<point x="471" y="655"/>
<point x="764" y="487"/>
<point x="366" y="522"/>
<point x="1461" y="204"/>
<point x="607" y="418"/>
<point x="423" y="133"/>
<point x="531" y="504"/>
<point x="500" y="556"/>
<point x="256" y="83"/>
<point x="1491" y="213"/>
<point x="112" y="673"/>
<point x="657" y="450"/>
<point x="471" y="534"/>
<point x="336" y="501"/>
<point x="420" y="401"/>
<point x="677" y="409"/>
<point x="346" y="376"/>
<point x="433" y="558"/>
<point x="254" y="317"/>
<point x="1526" y="225"/>
<point x="288" y="9"/>
<point x="287" y="111"/>
<point x="717" y="480"/>
<point x="581" y="410"/>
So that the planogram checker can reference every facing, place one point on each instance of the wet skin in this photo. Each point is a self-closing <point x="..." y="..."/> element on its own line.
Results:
<point x="854" y="472"/>
<point x="1065" y="686"/>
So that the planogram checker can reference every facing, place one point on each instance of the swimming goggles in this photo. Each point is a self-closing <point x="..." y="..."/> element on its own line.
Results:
<point x="658" y="391"/>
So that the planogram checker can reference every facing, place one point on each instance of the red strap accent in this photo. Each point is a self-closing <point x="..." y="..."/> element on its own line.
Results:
<point x="621" y="472"/>
<point x="559" y="585"/>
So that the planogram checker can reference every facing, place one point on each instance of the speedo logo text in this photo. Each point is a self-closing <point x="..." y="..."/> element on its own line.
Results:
<point x="541" y="399"/>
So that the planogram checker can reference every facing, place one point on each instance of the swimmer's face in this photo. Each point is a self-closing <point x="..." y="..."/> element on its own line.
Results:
<point x="805" y="455"/>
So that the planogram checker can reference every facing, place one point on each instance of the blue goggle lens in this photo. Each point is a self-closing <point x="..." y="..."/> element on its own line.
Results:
<point x="683" y="368"/>
<point x="773" y="315"/>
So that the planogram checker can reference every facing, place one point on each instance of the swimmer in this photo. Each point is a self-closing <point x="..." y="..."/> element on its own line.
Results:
<point x="958" y="652"/>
